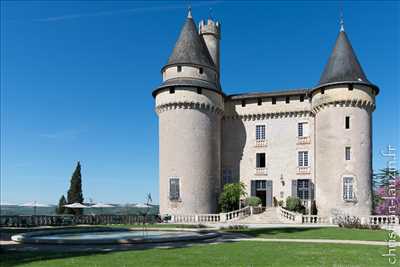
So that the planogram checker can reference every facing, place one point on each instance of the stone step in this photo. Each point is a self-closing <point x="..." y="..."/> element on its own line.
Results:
<point x="269" y="216"/>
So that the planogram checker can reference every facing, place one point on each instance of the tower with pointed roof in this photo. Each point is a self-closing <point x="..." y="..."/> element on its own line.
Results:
<point x="190" y="105"/>
<point x="343" y="102"/>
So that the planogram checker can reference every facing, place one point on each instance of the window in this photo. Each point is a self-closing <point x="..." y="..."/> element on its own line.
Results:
<point x="199" y="91"/>
<point x="350" y="87"/>
<point x="201" y="70"/>
<point x="347" y="123"/>
<point x="243" y="103"/>
<point x="273" y="100"/>
<point x="302" y="98"/>
<point x="303" y="189"/>
<point x="227" y="176"/>
<point x="260" y="157"/>
<point x="347" y="152"/>
<point x="260" y="132"/>
<point x="259" y="101"/>
<point x="322" y="91"/>
<point x="302" y="158"/>
<point x="302" y="129"/>
<point x="179" y="68"/>
<point x="261" y="184"/>
<point x="174" y="188"/>
<point x="172" y="90"/>
<point x="348" y="193"/>
<point x="287" y="100"/>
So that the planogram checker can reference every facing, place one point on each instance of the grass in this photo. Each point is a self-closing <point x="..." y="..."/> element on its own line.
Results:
<point x="316" y="233"/>
<point x="245" y="253"/>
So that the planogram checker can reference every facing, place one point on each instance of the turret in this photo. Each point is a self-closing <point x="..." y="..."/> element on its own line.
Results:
<point x="210" y="31"/>
<point x="189" y="104"/>
<point x="343" y="102"/>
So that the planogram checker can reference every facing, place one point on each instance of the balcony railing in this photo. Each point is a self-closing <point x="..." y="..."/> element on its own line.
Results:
<point x="261" y="143"/>
<point x="303" y="140"/>
<point x="261" y="171"/>
<point x="303" y="170"/>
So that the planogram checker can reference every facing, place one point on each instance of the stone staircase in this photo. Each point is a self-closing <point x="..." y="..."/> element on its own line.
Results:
<point x="269" y="216"/>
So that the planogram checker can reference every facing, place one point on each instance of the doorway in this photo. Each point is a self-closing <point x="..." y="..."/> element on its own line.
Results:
<point x="263" y="190"/>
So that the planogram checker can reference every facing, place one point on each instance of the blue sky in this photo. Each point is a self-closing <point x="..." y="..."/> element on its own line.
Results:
<point x="77" y="77"/>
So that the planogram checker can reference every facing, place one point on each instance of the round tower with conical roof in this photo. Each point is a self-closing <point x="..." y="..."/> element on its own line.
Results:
<point x="190" y="105"/>
<point x="343" y="103"/>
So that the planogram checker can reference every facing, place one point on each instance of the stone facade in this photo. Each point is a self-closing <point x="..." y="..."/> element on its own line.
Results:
<point x="313" y="143"/>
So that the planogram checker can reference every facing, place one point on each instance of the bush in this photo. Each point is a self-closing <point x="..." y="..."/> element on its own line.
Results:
<point x="253" y="201"/>
<point x="314" y="210"/>
<point x="230" y="196"/>
<point x="294" y="204"/>
<point x="347" y="221"/>
<point x="280" y="203"/>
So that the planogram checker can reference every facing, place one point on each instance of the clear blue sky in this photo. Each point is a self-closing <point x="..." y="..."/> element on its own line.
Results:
<point x="77" y="77"/>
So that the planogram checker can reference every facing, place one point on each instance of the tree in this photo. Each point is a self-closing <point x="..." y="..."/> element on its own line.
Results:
<point x="61" y="209"/>
<point x="230" y="196"/>
<point x="75" y="190"/>
<point x="294" y="204"/>
<point x="383" y="177"/>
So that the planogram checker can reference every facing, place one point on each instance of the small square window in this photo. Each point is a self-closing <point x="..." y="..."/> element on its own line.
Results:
<point x="350" y="87"/>
<point x="302" y="98"/>
<point x="259" y="101"/>
<point x="172" y="90"/>
<point x="287" y="100"/>
<point x="243" y="103"/>
<point x="201" y="70"/>
<point x="174" y="192"/>
<point x="179" y="68"/>
<point x="199" y="91"/>
<point x="273" y="100"/>
<point x="322" y="91"/>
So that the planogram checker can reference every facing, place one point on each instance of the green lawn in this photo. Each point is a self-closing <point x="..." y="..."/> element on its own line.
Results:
<point x="317" y="233"/>
<point x="245" y="253"/>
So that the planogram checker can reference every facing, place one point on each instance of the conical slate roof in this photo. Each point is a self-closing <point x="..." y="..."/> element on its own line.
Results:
<point x="190" y="47"/>
<point x="343" y="65"/>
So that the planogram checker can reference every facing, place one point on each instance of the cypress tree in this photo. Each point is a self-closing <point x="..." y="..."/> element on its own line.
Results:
<point x="75" y="190"/>
<point x="61" y="209"/>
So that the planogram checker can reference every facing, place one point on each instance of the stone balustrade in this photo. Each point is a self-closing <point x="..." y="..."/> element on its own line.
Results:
<point x="261" y="171"/>
<point x="314" y="219"/>
<point x="64" y="220"/>
<point x="303" y="170"/>
<point x="383" y="219"/>
<point x="261" y="143"/>
<point x="303" y="140"/>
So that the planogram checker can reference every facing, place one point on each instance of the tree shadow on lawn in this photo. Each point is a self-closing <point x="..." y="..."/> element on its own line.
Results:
<point x="16" y="254"/>
<point x="255" y="232"/>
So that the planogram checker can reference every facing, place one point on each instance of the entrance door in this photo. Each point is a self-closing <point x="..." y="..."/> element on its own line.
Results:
<point x="263" y="190"/>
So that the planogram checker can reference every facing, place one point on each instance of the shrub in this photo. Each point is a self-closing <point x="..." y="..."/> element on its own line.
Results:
<point x="280" y="203"/>
<point x="294" y="204"/>
<point x="314" y="210"/>
<point x="347" y="221"/>
<point x="253" y="201"/>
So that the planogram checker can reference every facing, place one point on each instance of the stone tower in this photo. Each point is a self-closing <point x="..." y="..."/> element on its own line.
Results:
<point x="211" y="33"/>
<point x="190" y="106"/>
<point x="343" y="103"/>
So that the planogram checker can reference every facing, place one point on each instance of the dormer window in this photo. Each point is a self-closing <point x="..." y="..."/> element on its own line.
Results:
<point x="273" y="100"/>
<point x="201" y="70"/>
<point x="179" y="68"/>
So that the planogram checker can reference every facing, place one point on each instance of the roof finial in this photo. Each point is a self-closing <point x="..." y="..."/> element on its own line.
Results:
<point x="189" y="15"/>
<point x="210" y="13"/>
<point x="341" y="21"/>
